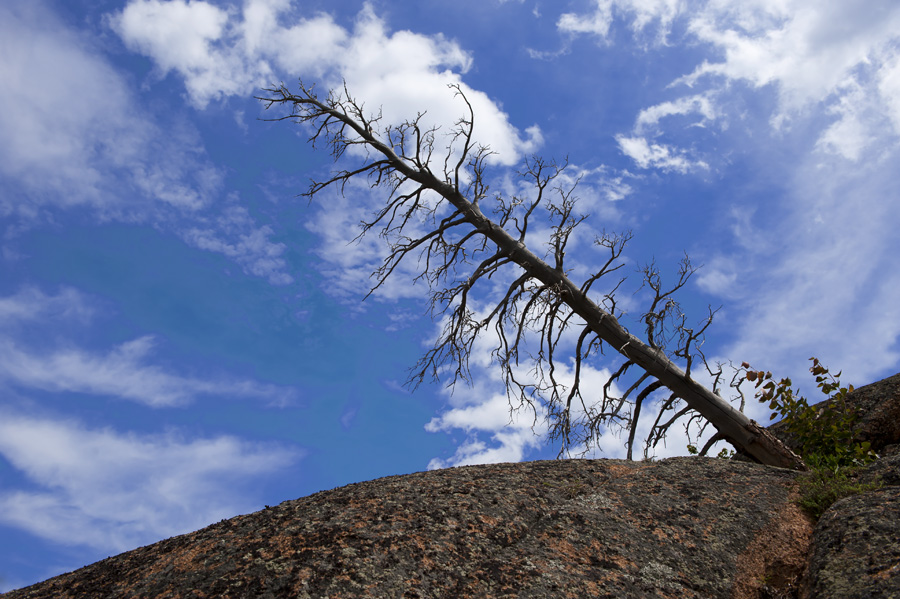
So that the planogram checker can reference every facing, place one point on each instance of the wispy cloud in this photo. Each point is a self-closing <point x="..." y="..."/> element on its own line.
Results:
<point x="236" y="235"/>
<point x="114" y="491"/>
<point x="806" y="272"/>
<point x="77" y="137"/>
<point x="30" y="303"/>
<point x="848" y="71"/>
<point x="72" y="134"/>
<point x="658" y="156"/>
<point x="125" y="371"/>
<point x="649" y="118"/>
<point x="821" y="279"/>
<point x="99" y="487"/>
<point x="642" y="13"/>
<point x="803" y="266"/>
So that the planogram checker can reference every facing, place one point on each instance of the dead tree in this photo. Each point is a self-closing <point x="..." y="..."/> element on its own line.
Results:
<point x="447" y="187"/>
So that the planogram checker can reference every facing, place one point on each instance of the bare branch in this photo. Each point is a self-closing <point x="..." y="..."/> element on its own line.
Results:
<point x="547" y="328"/>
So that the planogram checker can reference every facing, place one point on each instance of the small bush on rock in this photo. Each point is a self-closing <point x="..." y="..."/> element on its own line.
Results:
<point x="823" y="485"/>
<point x="822" y="434"/>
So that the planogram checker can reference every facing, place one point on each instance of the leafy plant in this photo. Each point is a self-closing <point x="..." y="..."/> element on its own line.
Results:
<point x="824" y="485"/>
<point x="823" y="435"/>
<point x="823" y="432"/>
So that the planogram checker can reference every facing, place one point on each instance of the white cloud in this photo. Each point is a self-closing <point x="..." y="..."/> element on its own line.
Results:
<point x="663" y="157"/>
<point x="512" y="433"/>
<point x="597" y="23"/>
<point x="495" y="434"/>
<point x="641" y="12"/>
<point x="179" y="34"/>
<point x="121" y="372"/>
<point x="889" y="87"/>
<point x="115" y="491"/>
<point x="75" y="136"/>
<point x="70" y="131"/>
<point x="648" y="118"/>
<point x="125" y="371"/>
<point x="235" y="234"/>
<point x="511" y="446"/>
<point x="720" y="278"/>
<point x="30" y="303"/>
<point x="348" y="263"/>
<point x="818" y="279"/>
<point x="807" y="48"/>
<point x="816" y="55"/>
<point x="496" y="430"/>
<point x="235" y="53"/>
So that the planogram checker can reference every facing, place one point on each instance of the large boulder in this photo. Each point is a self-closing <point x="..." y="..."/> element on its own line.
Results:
<point x="679" y="528"/>
<point x="879" y="412"/>
<point x="684" y="527"/>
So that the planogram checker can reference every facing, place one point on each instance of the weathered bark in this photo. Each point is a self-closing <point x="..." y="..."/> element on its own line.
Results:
<point x="731" y="424"/>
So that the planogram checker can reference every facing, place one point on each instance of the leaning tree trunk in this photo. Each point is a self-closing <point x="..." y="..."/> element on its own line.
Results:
<point x="732" y="425"/>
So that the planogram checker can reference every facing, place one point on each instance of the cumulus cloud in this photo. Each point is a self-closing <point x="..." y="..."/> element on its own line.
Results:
<point x="115" y="491"/>
<point x="494" y="432"/>
<point x="179" y="35"/>
<point x="512" y="433"/>
<point x="497" y="429"/>
<point x="220" y="53"/>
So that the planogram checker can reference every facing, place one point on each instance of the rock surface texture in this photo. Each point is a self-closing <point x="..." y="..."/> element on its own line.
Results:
<point x="856" y="548"/>
<point x="680" y="528"/>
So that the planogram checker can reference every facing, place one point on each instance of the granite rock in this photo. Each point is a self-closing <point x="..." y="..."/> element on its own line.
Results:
<point x="855" y="552"/>
<point x="679" y="528"/>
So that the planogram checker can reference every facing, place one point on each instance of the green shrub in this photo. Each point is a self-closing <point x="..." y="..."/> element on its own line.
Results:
<point x="824" y="431"/>
<point x="822" y="434"/>
<point x="824" y="485"/>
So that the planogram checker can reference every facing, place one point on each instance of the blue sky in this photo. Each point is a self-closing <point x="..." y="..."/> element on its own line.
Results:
<point x="182" y="338"/>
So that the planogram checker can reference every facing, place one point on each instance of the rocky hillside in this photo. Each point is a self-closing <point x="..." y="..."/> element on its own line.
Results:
<point x="679" y="528"/>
